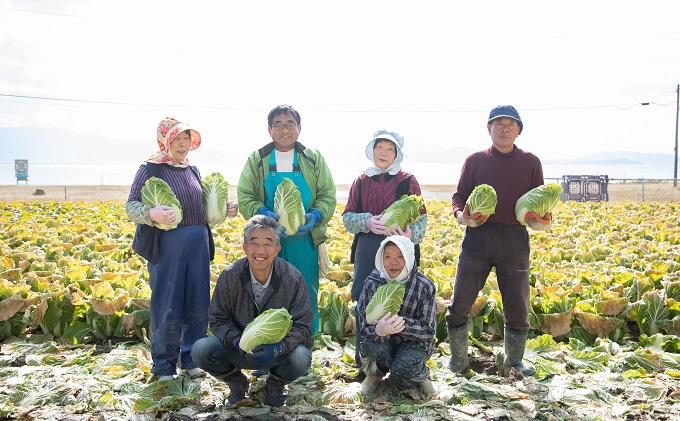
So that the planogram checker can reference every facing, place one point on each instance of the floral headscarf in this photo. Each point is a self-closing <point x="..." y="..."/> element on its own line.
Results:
<point x="168" y="129"/>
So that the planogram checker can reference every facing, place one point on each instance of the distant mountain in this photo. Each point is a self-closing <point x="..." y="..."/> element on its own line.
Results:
<point x="617" y="158"/>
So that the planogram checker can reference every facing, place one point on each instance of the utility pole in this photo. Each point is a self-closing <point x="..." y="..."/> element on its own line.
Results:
<point x="677" y="108"/>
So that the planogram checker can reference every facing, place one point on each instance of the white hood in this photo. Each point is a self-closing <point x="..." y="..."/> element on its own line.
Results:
<point x="407" y="249"/>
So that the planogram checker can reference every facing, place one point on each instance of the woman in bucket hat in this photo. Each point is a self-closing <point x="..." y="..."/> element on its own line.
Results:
<point x="179" y="272"/>
<point x="380" y="185"/>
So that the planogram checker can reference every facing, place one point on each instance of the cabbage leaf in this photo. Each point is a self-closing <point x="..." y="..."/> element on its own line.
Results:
<point x="157" y="192"/>
<point x="404" y="211"/>
<point x="540" y="200"/>
<point x="288" y="204"/>
<point x="386" y="299"/>
<point x="268" y="328"/>
<point x="215" y="196"/>
<point x="483" y="199"/>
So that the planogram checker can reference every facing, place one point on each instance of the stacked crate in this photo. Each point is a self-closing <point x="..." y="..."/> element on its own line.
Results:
<point x="585" y="188"/>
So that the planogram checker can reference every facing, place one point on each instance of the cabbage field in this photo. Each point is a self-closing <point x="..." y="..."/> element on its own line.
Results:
<point x="604" y="340"/>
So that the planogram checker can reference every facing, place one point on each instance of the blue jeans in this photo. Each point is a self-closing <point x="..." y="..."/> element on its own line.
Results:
<point x="218" y="360"/>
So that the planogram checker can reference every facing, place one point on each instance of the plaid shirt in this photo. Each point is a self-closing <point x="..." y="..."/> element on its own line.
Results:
<point x="418" y="310"/>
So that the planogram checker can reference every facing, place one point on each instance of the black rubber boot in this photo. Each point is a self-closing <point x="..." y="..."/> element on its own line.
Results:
<point x="275" y="389"/>
<point x="515" y="341"/>
<point x="238" y="386"/>
<point x="458" y="342"/>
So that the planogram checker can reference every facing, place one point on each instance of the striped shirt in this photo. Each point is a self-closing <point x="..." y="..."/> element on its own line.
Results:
<point x="183" y="183"/>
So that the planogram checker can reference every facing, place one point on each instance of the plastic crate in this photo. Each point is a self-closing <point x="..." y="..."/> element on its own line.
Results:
<point x="585" y="188"/>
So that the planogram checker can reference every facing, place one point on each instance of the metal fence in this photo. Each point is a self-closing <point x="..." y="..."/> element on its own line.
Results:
<point x="597" y="188"/>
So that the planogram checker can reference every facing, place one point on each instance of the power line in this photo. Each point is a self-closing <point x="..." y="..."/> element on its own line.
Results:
<point x="87" y="101"/>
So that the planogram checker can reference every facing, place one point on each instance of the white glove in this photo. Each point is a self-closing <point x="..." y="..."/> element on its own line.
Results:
<point x="164" y="215"/>
<point x="464" y="218"/>
<point x="232" y="208"/>
<point x="537" y="223"/>
<point x="389" y="325"/>
<point x="375" y="225"/>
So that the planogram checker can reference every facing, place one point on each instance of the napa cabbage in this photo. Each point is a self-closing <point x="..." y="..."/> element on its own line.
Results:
<point x="386" y="299"/>
<point x="334" y="313"/>
<point x="157" y="192"/>
<point x="288" y="204"/>
<point x="215" y="196"/>
<point x="483" y="199"/>
<point x="268" y="328"/>
<point x="404" y="211"/>
<point x="540" y="200"/>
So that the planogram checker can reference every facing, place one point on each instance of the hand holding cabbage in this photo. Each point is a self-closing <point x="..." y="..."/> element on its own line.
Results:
<point x="479" y="206"/>
<point x="533" y="208"/>
<point x="166" y="211"/>
<point x="389" y="325"/>
<point x="403" y="212"/>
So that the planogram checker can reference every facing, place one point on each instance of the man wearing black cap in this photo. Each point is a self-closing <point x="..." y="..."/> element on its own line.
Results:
<point x="499" y="240"/>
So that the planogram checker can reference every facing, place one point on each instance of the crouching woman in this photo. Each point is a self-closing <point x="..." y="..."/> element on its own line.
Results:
<point x="245" y="289"/>
<point x="401" y="343"/>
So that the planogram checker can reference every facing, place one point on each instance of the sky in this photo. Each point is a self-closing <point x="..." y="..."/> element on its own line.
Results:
<point x="578" y="72"/>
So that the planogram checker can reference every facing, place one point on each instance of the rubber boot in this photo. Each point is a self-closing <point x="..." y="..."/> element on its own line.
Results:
<point x="428" y="388"/>
<point x="370" y="383"/>
<point x="458" y="341"/>
<point x="238" y="386"/>
<point x="515" y="341"/>
<point x="275" y="389"/>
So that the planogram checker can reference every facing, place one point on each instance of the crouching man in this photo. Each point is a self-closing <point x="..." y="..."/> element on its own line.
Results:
<point x="245" y="289"/>
<point x="400" y="343"/>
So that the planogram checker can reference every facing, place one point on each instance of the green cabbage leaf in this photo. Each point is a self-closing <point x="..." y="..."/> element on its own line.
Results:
<point x="404" y="211"/>
<point x="157" y="192"/>
<point x="483" y="199"/>
<point x="386" y="299"/>
<point x="288" y="204"/>
<point x="215" y="196"/>
<point x="540" y="200"/>
<point x="268" y="328"/>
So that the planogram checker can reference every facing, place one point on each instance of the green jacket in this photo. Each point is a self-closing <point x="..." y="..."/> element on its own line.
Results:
<point x="251" y="194"/>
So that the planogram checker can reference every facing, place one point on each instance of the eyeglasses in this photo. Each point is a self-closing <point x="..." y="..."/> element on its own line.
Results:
<point x="280" y="126"/>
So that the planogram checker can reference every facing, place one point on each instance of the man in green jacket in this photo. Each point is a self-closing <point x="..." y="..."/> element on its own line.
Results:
<point x="265" y="168"/>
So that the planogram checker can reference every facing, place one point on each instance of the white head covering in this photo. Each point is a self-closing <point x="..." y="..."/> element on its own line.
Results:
<point x="398" y="141"/>
<point x="407" y="249"/>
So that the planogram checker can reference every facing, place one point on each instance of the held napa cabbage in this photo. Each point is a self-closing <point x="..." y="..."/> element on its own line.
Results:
<point x="156" y="192"/>
<point x="483" y="199"/>
<point x="215" y="196"/>
<point x="539" y="200"/>
<point x="270" y="327"/>
<point x="404" y="211"/>
<point x="386" y="299"/>
<point x="288" y="204"/>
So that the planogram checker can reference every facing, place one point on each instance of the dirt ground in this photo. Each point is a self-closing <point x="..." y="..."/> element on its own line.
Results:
<point x="635" y="192"/>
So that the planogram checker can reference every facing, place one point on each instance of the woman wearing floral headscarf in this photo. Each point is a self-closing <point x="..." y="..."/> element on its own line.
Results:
<point x="180" y="277"/>
<point x="372" y="192"/>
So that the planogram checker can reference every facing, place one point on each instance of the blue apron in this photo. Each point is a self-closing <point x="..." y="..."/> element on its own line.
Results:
<point x="297" y="250"/>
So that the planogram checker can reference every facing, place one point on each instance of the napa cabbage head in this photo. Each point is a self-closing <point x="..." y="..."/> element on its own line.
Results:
<point x="386" y="299"/>
<point x="540" y="200"/>
<point x="288" y="204"/>
<point x="215" y="196"/>
<point x="268" y="328"/>
<point x="404" y="211"/>
<point x="483" y="199"/>
<point x="157" y="192"/>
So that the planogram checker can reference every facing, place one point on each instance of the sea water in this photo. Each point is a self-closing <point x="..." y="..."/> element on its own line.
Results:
<point x="122" y="174"/>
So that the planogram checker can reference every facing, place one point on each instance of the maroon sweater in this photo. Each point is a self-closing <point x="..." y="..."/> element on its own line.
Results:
<point x="511" y="175"/>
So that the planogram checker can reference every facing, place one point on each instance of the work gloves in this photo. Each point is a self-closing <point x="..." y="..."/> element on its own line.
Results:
<point x="537" y="223"/>
<point x="472" y="221"/>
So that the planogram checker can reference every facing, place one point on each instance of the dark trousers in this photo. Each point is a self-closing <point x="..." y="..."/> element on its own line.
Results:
<point x="405" y="361"/>
<point x="489" y="245"/>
